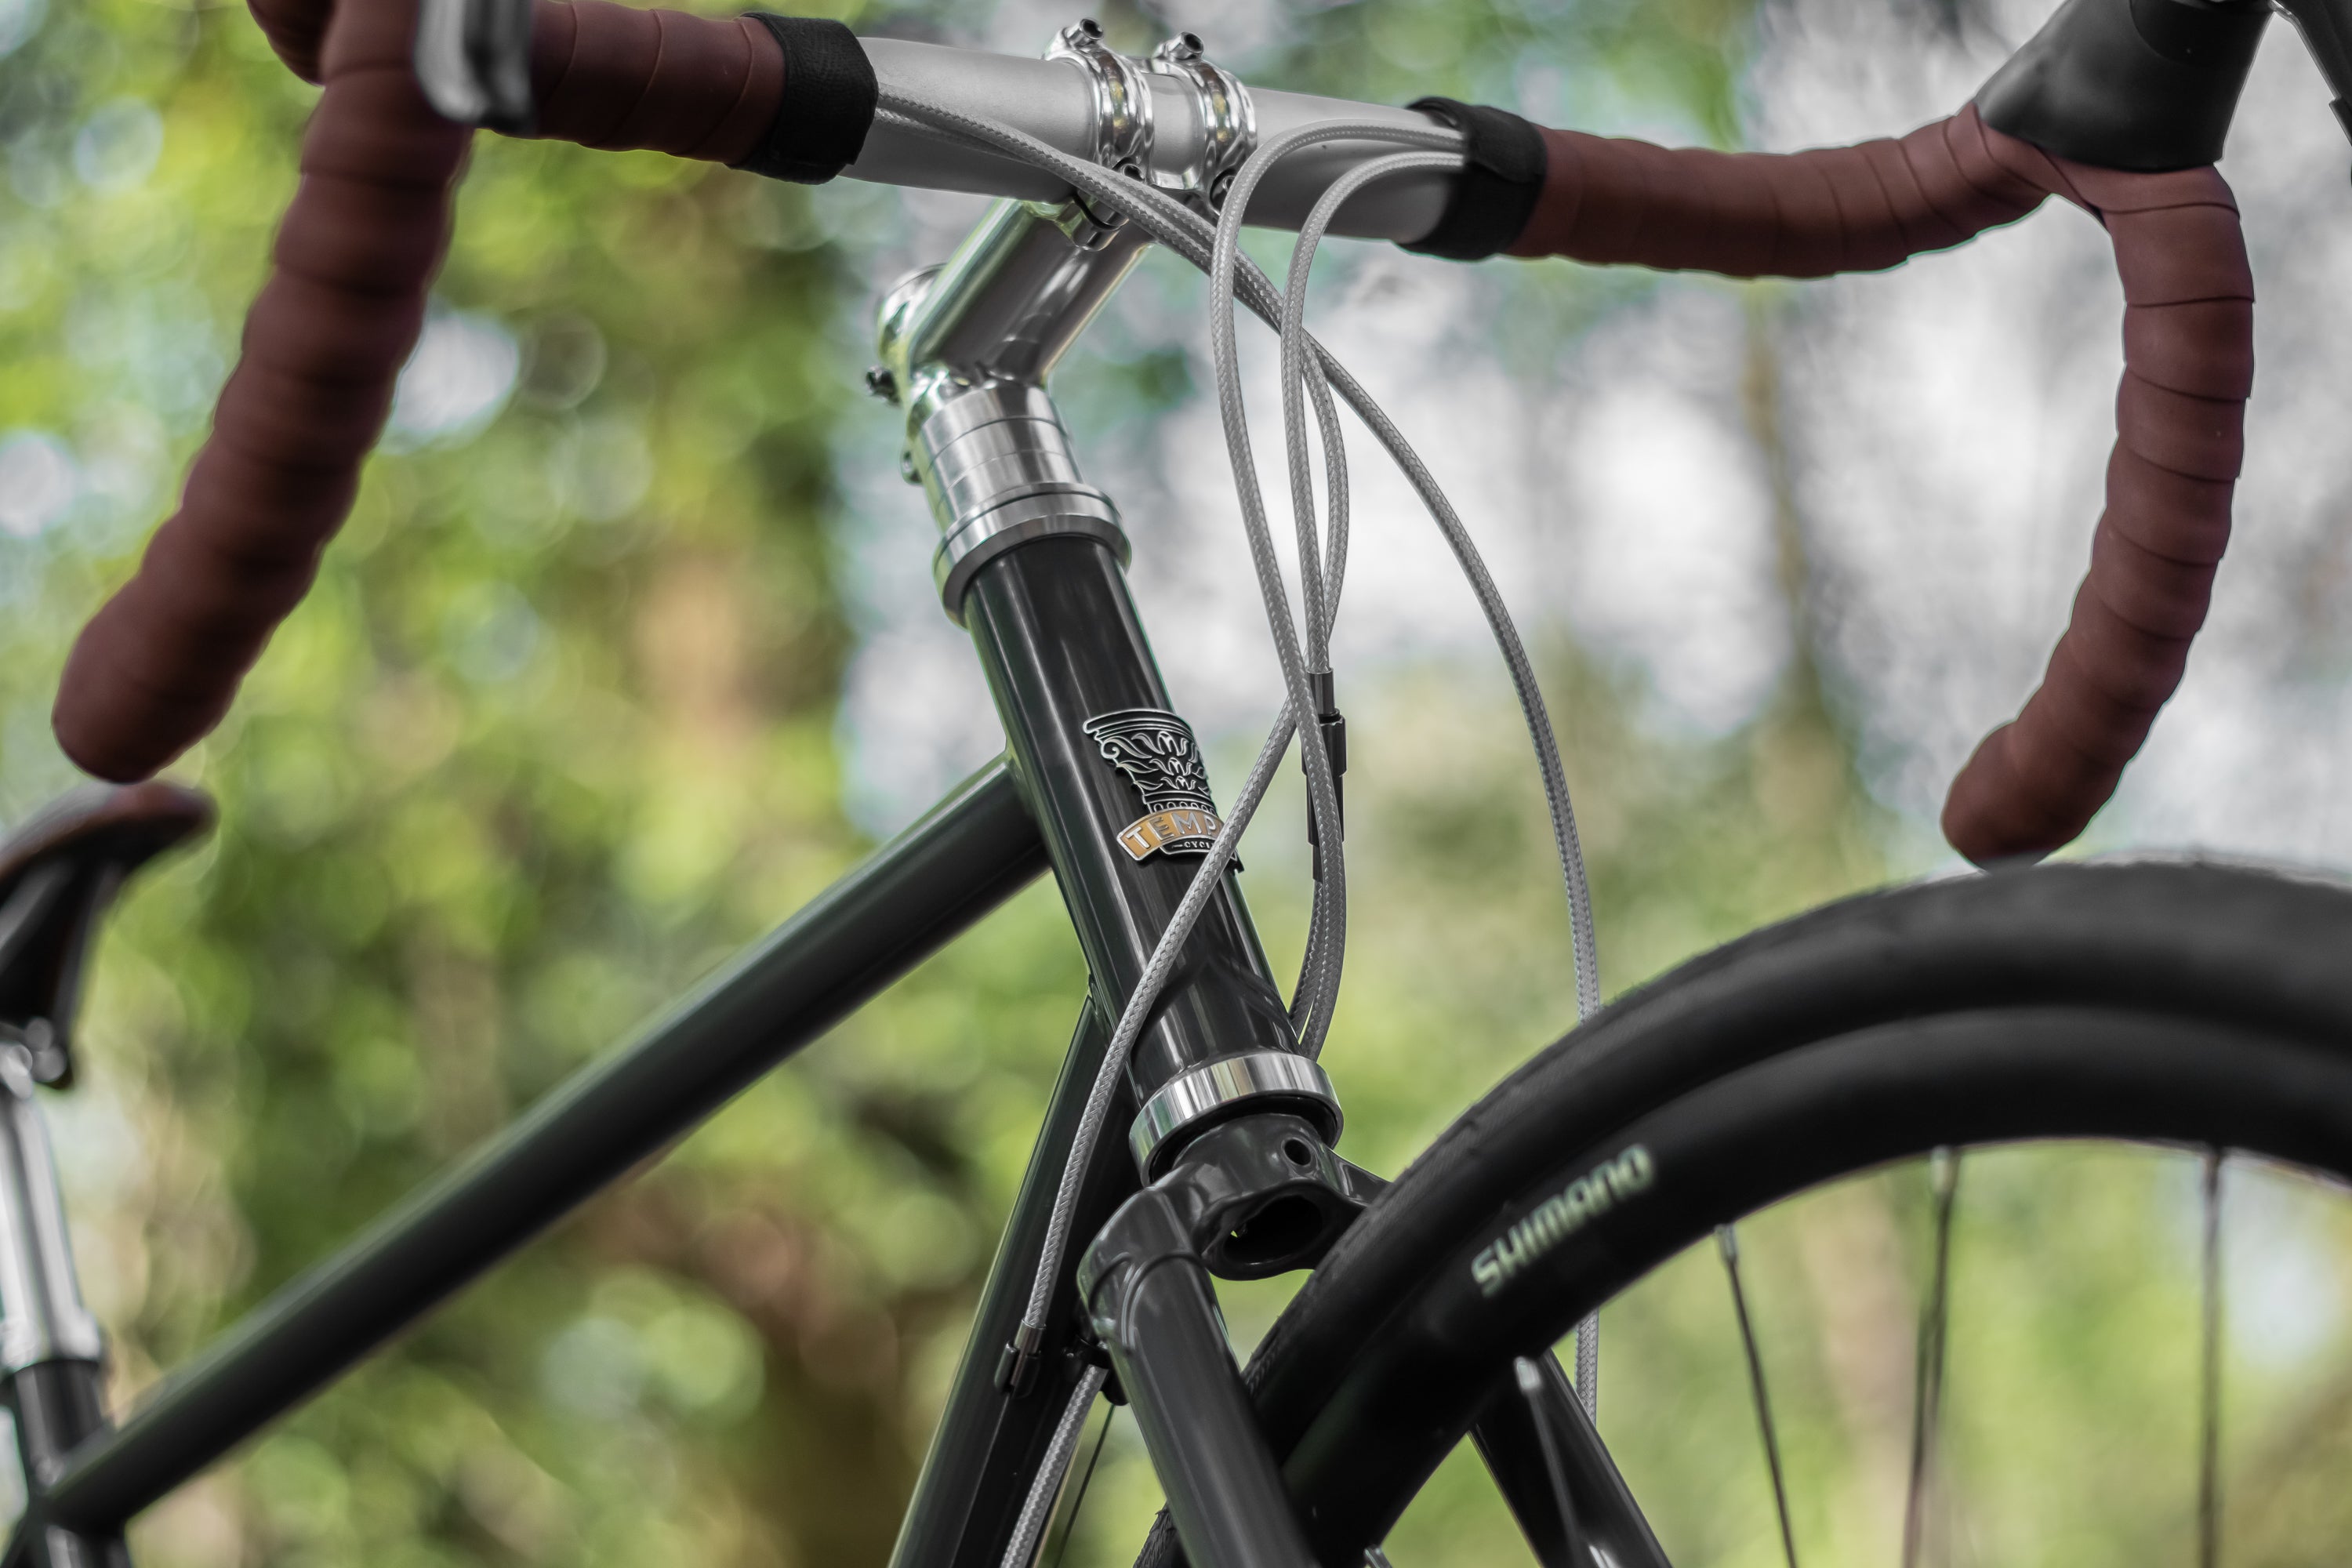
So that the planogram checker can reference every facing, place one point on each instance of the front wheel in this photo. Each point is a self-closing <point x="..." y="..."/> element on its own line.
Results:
<point x="2184" y="1014"/>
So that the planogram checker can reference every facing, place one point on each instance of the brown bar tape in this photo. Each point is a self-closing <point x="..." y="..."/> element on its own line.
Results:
<point x="615" y="78"/>
<point x="159" y="664"/>
<point x="2034" y="783"/>
<point x="325" y="340"/>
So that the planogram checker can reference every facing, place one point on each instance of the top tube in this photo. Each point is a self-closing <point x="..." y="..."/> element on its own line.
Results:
<point x="1054" y="100"/>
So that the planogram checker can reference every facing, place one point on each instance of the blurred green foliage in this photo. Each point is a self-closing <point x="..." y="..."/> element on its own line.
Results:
<point x="558" y="731"/>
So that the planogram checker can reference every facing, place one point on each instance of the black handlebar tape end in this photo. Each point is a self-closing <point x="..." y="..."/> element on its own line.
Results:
<point x="1499" y="190"/>
<point x="2147" y="86"/>
<point x="830" y="96"/>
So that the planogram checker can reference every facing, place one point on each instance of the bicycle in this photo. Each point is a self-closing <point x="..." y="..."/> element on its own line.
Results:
<point x="2197" y="1007"/>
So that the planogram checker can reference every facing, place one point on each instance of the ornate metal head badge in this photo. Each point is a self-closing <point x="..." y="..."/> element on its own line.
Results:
<point x="1156" y="750"/>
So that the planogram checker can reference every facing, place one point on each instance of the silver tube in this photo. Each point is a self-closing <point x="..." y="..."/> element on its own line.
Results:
<point x="42" y="1318"/>
<point x="1402" y="207"/>
<point x="1010" y="302"/>
<point x="966" y="348"/>
<point x="1053" y="101"/>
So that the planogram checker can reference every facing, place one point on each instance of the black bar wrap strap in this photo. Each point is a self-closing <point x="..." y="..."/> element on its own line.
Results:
<point x="1499" y="190"/>
<point x="830" y="96"/>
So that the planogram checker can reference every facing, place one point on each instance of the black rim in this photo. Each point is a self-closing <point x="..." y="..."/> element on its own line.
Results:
<point x="1764" y="1133"/>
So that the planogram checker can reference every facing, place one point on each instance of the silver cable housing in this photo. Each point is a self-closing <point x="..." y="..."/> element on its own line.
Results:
<point x="1037" y="1509"/>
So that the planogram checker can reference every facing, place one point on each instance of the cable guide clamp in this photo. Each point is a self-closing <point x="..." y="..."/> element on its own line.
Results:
<point x="1331" y="726"/>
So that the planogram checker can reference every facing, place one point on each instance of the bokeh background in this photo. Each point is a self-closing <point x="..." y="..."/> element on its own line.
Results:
<point x="630" y="648"/>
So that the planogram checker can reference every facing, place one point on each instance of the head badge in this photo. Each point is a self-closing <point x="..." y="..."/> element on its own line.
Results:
<point x="1156" y="750"/>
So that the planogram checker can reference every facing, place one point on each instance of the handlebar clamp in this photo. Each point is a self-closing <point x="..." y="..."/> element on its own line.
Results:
<point x="1123" y="121"/>
<point x="1126" y="134"/>
<point x="1228" y="123"/>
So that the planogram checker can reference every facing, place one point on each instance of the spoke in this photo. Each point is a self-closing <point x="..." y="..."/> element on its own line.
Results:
<point x="1547" y="1460"/>
<point x="1727" y="1241"/>
<point x="1927" y="1387"/>
<point x="2208" y="1392"/>
<point x="1375" y="1558"/>
<point x="1531" y="1389"/>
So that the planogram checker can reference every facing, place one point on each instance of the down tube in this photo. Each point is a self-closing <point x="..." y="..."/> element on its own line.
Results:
<point x="923" y="888"/>
<point x="989" y="1443"/>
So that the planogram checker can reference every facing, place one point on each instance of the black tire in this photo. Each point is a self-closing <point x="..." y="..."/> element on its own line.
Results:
<point x="2199" y="1004"/>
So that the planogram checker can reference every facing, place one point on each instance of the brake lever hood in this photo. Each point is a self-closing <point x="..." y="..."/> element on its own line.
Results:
<point x="2143" y="85"/>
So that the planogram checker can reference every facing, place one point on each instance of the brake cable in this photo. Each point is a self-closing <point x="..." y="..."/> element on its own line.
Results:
<point x="1191" y="237"/>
